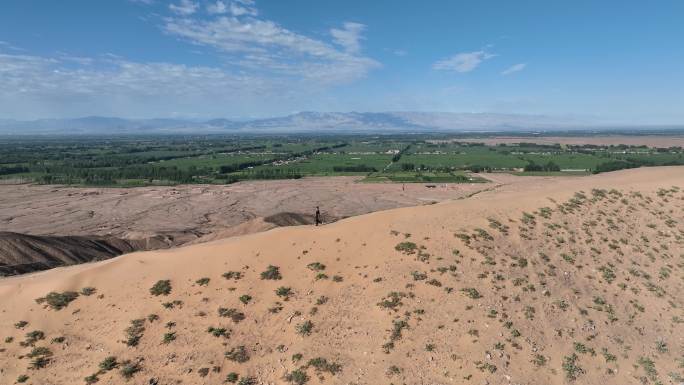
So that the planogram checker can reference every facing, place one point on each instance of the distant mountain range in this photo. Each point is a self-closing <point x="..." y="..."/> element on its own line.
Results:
<point x="303" y="122"/>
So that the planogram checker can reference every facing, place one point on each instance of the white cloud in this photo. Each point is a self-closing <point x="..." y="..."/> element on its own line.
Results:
<point x="349" y="36"/>
<point x="239" y="10"/>
<point x="514" y="68"/>
<point x="234" y="7"/>
<point x="41" y="86"/>
<point x="263" y="45"/>
<point x="264" y="66"/>
<point x="218" y="7"/>
<point x="185" y="7"/>
<point x="463" y="62"/>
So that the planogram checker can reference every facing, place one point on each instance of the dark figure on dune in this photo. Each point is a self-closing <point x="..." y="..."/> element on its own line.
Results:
<point x="318" y="216"/>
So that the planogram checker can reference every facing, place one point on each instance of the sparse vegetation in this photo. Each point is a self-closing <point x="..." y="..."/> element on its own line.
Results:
<point x="58" y="301"/>
<point x="305" y="328"/>
<point x="88" y="291"/>
<point x="238" y="354"/>
<point x="233" y="314"/>
<point x="272" y="273"/>
<point x="162" y="287"/>
<point x="129" y="369"/>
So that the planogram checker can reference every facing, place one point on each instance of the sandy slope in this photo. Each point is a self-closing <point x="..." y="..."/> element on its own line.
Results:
<point x="522" y="274"/>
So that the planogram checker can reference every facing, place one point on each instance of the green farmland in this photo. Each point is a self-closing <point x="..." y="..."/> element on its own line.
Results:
<point x="163" y="160"/>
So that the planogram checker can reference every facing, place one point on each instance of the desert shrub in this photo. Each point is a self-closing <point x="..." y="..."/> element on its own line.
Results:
<point x="238" y="354"/>
<point x="232" y="275"/>
<point x="22" y="378"/>
<point x="135" y="332"/>
<point x="649" y="367"/>
<point x="8" y="340"/>
<point x="233" y="314"/>
<point x="321" y="300"/>
<point x="284" y="292"/>
<point x="232" y="377"/>
<point x="33" y="337"/>
<point x="418" y="276"/>
<point x="539" y="360"/>
<point x="39" y="362"/>
<point x="91" y="379"/>
<point x="608" y="357"/>
<point x="570" y="367"/>
<point x="168" y="337"/>
<point x="316" y="266"/>
<point x="471" y="292"/>
<point x="337" y="278"/>
<point x="393" y="371"/>
<point x="58" y="340"/>
<point x="20" y="324"/>
<point x="152" y="317"/>
<point x="58" y="301"/>
<point x="406" y="247"/>
<point x="397" y="327"/>
<point x="272" y="273"/>
<point x="297" y="377"/>
<point x="109" y="363"/>
<point x="129" y="369"/>
<point x="392" y="300"/>
<point x="88" y="291"/>
<point x="323" y="365"/>
<point x="162" y="287"/>
<point x="485" y="366"/>
<point x="305" y="328"/>
<point x="40" y="351"/>
<point x="203" y="372"/>
<point x="203" y="281"/>
<point x="661" y="346"/>
<point x="218" y="332"/>
<point x="245" y="298"/>
<point x="247" y="381"/>
<point x="320" y="276"/>
<point x="581" y="348"/>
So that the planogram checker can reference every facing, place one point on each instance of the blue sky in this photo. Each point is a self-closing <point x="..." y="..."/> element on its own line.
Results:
<point x="613" y="61"/>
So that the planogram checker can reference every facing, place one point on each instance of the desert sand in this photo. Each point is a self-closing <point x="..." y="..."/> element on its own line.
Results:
<point x="552" y="281"/>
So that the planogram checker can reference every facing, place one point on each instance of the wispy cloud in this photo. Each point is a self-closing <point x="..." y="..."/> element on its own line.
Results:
<point x="349" y="36"/>
<point x="264" y="45"/>
<point x="217" y="8"/>
<point x="463" y="62"/>
<point x="514" y="68"/>
<point x="109" y="84"/>
<point x="185" y="7"/>
<point x="261" y="63"/>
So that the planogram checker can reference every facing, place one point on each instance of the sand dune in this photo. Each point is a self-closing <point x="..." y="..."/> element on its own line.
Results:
<point x="547" y="282"/>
